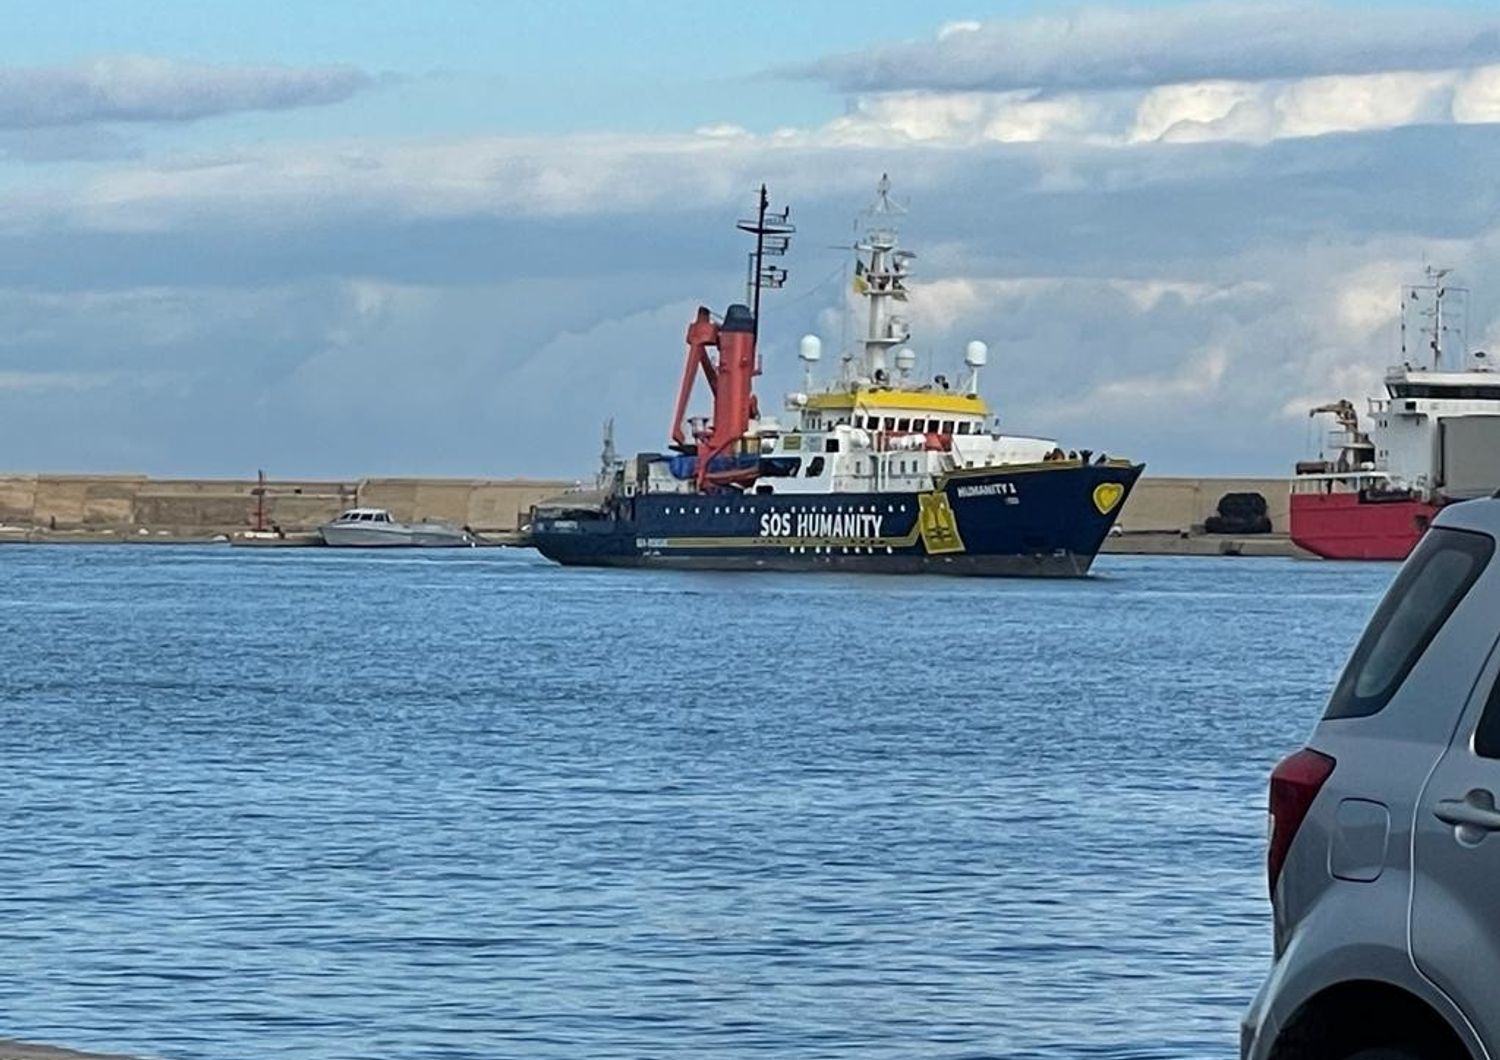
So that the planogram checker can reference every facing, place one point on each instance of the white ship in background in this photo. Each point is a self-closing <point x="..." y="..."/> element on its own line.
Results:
<point x="1433" y="439"/>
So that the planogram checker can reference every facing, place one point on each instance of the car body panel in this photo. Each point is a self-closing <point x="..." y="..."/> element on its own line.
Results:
<point x="1455" y="905"/>
<point x="1343" y="905"/>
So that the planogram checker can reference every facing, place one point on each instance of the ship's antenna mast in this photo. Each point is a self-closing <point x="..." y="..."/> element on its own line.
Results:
<point x="881" y="279"/>
<point x="1435" y="277"/>
<point x="609" y="460"/>
<point x="773" y="235"/>
<point x="1437" y="313"/>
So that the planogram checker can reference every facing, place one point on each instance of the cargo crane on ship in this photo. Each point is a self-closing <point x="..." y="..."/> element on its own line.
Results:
<point x="721" y="452"/>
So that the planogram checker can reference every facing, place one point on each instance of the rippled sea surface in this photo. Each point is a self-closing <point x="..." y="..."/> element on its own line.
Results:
<point x="307" y="804"/>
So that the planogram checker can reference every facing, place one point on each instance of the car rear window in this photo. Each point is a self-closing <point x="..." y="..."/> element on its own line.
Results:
<point x="1430" y="585"/>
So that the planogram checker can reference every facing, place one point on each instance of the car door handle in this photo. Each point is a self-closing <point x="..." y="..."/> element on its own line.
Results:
<point x="1469" y="813"/>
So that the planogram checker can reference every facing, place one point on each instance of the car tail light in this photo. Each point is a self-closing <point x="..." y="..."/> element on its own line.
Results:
<point x="1295" y="782"/>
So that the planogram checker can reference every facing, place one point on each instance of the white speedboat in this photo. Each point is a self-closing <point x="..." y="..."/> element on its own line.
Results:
<point x="374" y="528"/>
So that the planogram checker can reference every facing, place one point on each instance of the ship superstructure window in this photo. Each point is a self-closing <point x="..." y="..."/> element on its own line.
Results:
<point x="815" y="467"/>
<point x="947" y="426"/>
<point x="890" y="423"/>
<point x="903" y="424"/>
<point x="831" y="445"/>
<point x="1464" y="393"/>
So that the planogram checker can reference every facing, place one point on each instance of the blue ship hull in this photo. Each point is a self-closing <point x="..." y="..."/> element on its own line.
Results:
<point x="1039" y="520"/>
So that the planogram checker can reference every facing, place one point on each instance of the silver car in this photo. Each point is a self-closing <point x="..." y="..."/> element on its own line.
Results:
<point x="1384" y="862"/>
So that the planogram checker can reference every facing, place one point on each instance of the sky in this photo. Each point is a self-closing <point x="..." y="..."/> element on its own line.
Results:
<point x="346" y="239"/>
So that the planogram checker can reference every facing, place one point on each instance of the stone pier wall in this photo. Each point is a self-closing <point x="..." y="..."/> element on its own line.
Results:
<point x="212" y="506"/>
<point x="215" y="506"/>
<point x="1182" y="504"/>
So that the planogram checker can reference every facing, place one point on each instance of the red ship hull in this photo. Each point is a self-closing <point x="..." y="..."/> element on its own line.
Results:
<point x="1354" y="526"/>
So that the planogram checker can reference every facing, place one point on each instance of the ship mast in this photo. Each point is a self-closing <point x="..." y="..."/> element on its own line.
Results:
<point x="609" y="460"/>
<point x="1429" y="300"/>
<point x="880" y="278"/>
<point x="773" y="235"/>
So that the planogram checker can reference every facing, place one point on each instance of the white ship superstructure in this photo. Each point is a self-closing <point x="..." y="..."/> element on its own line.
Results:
<point x="1435" y="434"/>
<point x="878" y="428"/>
<point x="1433" y="438"/>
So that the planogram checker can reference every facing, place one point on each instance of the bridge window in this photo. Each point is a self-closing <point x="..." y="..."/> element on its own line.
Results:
<point x="890" y="423"/>
<point x="831" y="445"/>
<point x="903" y="424"/>
<point x="947" y="426"/>
<point x="815" y="467"/>
<point x="1467" y="393"/>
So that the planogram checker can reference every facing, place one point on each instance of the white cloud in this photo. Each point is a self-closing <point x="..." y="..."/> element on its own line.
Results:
<point x="1364" y="301"/>
<point x="1105" y="48"/>
<point x="1189" y="112"/>
<point x="1165" y="270"/>
<point x="1201" y="111"/>
<point x="1373" y="101"/>
<point x="1476" y="98"/>
<point x="961" y="118"/>
<point x="587" y="175"/>
<point x="136" y="88"/>
<point x="1197" y="380"/>
<point x="967" y="25"/>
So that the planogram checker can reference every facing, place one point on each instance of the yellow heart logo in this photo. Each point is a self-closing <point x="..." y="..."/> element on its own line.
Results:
<point x="1107" y="495"/>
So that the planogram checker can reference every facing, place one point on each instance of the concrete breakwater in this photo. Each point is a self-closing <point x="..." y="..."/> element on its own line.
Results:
<point x="129" y="504"/>
<point x="1167" y="516"/>
<point x="1163" y="514"/>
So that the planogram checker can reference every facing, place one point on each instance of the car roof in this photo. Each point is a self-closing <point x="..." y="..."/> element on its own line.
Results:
<point x="1481" y="515"/>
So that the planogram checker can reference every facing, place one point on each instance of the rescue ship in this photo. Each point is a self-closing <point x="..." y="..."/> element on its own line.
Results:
<point x="1433" y="439"/>
<point x="876" y="471"/>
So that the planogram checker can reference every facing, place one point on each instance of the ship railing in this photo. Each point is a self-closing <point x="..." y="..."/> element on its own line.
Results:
<point x="1353" y="481"/>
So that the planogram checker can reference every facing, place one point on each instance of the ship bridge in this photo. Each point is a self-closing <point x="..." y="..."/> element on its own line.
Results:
<point x="891" y="411"/>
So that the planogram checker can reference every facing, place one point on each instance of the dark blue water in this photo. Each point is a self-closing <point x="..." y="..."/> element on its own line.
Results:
<point x="314" y="805"/>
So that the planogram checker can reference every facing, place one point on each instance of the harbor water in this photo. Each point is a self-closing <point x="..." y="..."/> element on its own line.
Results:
<point x="320" y="805"/>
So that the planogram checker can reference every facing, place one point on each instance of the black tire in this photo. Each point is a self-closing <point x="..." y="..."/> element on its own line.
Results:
<point x="1385" y="1052"/>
